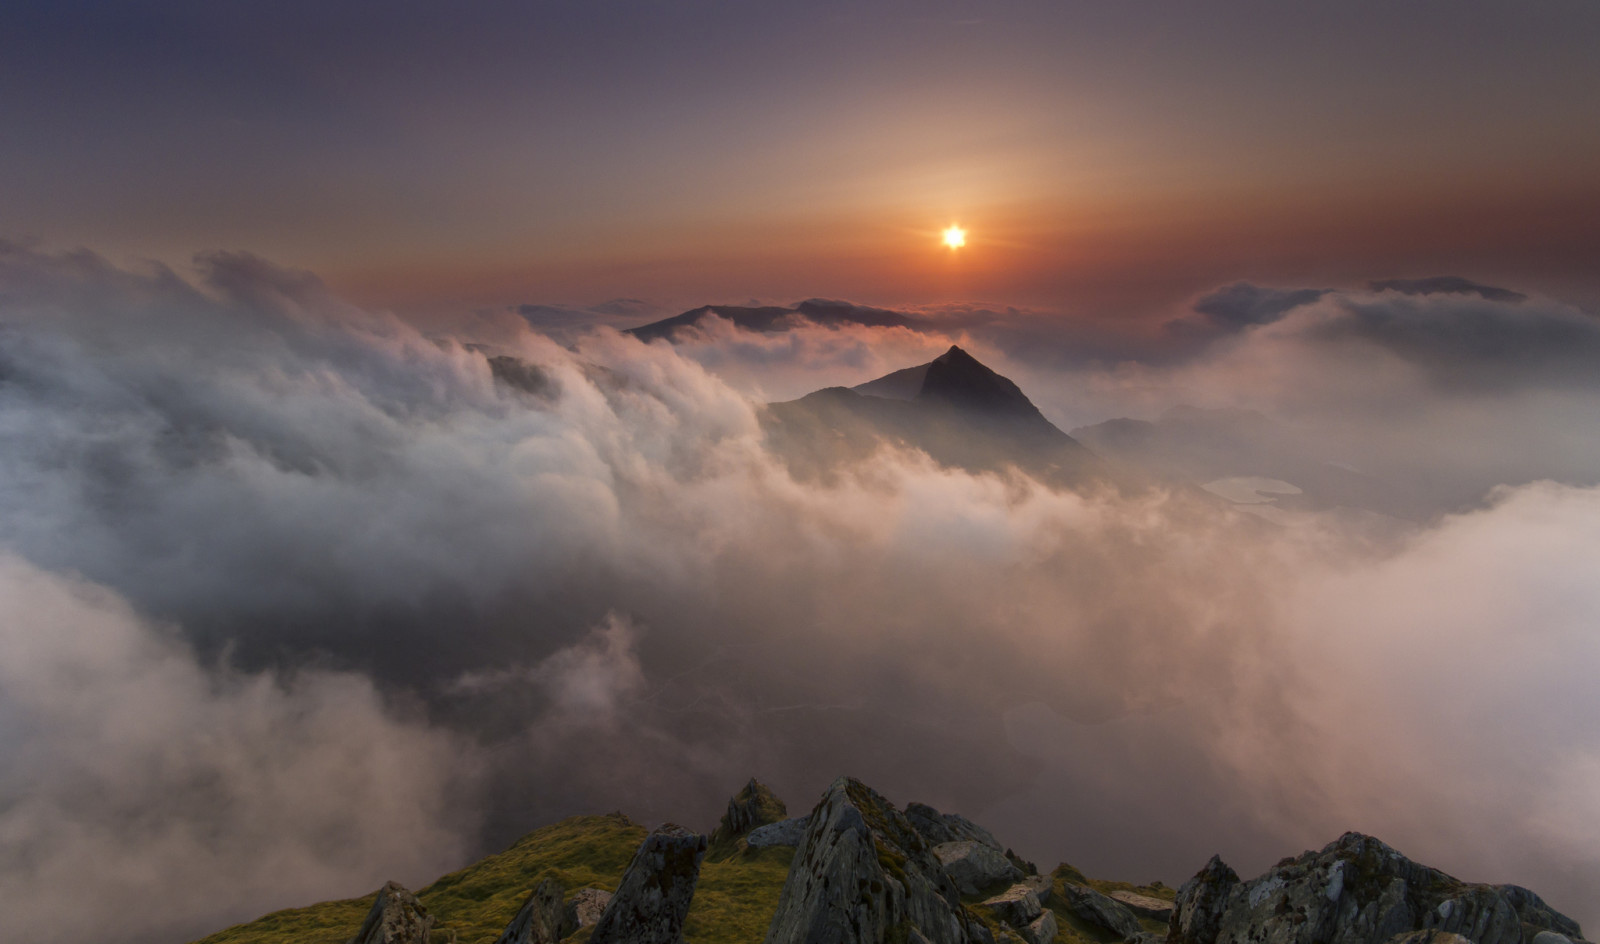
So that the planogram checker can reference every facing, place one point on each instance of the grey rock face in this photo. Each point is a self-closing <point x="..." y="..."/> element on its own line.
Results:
<point x="976" y="866"/>
<point x="863" y="875"/>
<point x="539" y="920"/>
<point x="1016" y="906"/>
<point x="1096" y="908"/>
<point x="584" y="909"/>
<point x="786" y="833"/>
<point x="1143" y="905"/>
<point x="1197" y="914"/>
<point x="1534" y="913"/>
<point x="653" y="898"/>
<point x="396" y="918"/>
<point x="1041" y="930"/>
<point x="1356" y="890"/>
<point x="1040" y="886"/>
<point x="937" y="828"/>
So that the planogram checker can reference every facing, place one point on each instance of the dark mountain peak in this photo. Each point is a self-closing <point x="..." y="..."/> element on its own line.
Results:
<point x="959" y="379"/>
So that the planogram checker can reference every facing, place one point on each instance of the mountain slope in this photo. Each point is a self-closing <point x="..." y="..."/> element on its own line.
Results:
<point x="954" y="408"/>
<point x="772" y="318"/>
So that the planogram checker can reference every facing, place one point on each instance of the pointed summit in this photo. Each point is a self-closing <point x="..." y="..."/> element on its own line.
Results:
<point x="955" y="378"/>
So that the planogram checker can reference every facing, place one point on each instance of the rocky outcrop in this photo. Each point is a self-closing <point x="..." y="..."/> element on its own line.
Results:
<point x="396" y="918"/>
<point x="862" y="874"/>
<point x="1095" y="908"/>
<point x="1356" y="890"/>
<point x="938" y="828"/>
<point x="751" y="807"/>
<point x="1143" y="906"/>
<point x="1040" y="886"/>
<point x="788" y="832"/>
<point x="583" y="909"/>
<point x="976" y="867"/>
<point x="539" y="920"/>
<point x="1197" y="913"/>
<point x="653" y="898"/>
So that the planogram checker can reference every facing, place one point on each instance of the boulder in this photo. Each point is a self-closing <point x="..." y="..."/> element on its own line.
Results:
<point x="785" y="833"/>
<point x="396" y="918"/>
<point x="1041" y="930"/>
<point x="583" y="909"/>
<point x="976" y="867"/>
<point x="1102" y="910"/>
<point x="863" y="875"/>
<point x="1039" y="885"/>
<point x="753" y="806"/>
<point x="653" y="897"/>
<point x="1016" y="906"/>
<point x="1356" y="890"/>
<point x="539" y="920"/>
<point x="937" y="828"/>
<point x="1157" y="909"/>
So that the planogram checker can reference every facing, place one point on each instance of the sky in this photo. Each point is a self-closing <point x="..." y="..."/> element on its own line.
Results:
<point x="298" y="594"/>
<point x="1105" y="157"/>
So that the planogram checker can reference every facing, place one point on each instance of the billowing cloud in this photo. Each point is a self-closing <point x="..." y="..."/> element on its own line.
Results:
<point x="153" y="795"/>
<point x="602" y="590"/>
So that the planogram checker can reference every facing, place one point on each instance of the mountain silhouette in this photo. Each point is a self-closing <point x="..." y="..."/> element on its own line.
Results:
<point x="954" y="408"/>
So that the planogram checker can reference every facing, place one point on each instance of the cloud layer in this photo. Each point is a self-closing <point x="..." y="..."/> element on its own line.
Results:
<point x="295" y="543"/>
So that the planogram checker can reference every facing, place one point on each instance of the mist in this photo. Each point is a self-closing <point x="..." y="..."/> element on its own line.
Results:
<point x="266" y="548"/>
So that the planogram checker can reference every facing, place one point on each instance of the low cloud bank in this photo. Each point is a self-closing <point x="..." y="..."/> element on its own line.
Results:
<point x="346" y="548"/>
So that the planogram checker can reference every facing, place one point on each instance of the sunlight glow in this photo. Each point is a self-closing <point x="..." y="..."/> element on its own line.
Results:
<point x="955" y="237"/>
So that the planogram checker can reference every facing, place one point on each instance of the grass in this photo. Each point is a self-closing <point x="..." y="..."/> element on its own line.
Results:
<point x="733" y="904"/>
<point x="478" y="901"/>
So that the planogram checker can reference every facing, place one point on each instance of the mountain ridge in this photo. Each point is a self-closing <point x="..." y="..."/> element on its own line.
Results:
<point x="864" y="872"/>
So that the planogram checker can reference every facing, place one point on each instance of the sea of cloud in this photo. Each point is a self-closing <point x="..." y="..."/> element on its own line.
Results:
<point x="299" y="597"/>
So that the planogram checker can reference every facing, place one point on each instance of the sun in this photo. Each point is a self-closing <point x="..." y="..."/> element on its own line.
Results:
<point x="955" y="237"/>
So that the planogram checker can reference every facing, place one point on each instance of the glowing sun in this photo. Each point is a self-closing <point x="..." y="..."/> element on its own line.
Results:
<point x="955" y="237"/>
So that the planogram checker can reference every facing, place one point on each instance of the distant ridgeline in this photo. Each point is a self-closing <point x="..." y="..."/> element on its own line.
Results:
<point x="857" y="870"/>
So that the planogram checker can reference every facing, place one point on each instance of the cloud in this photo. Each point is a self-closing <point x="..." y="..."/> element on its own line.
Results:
<point x="147" y="791"/>
<point x="1447" y="284"/>
<point x="612" y="579"/>
<point x="1242" y="304"/>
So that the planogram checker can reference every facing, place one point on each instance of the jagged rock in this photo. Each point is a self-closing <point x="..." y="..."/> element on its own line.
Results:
<point x="1197" y="914"/>
<point x="976" y="866"/>
<point x="1039" y="885"/>
<point x="1041" y="930"/>
<point x="863" y="875"/>
<point x="753" y="806"/>
<point x="1535" y="914"/>
<point x="585" y="908"/>
<point x="539" y="920"/>
<point x="653" y="898"/>
<point x="396" y="918"/>
<point x="1356" y="890"/>
<point x="1016" y="906"/>
<point x="1096" y="908"/>
<point x="785" y="833"/>
<point x="938" y="828"/>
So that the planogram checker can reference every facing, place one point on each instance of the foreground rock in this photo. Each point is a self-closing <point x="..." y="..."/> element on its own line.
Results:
<point x="976" y="867"/>
<point x="539" y="920"/>
<point x="938" y="828"/>
<point x="1143" y="905"/>
<point x="1102" y="910"/>
<point x="653" y="898"/>
<point x="751" y="807"/>
<point x="1356" y="890"/>
<point x="585" y="908"/>
<point x="396" y="918"/>
<point x="863" y="875"/>
<point x="1018" y="907"/>
<point x="788" y="832"/>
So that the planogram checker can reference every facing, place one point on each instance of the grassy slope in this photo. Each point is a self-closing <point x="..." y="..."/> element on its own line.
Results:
<point x="734" y="900"/>
<point x="733" y="903"/>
